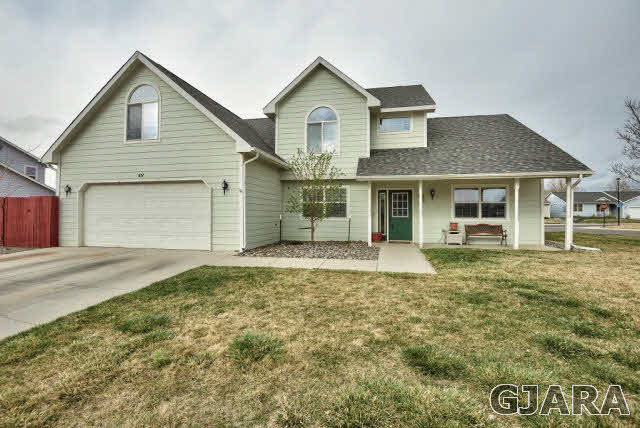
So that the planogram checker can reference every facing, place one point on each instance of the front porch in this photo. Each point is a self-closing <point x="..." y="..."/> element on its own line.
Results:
<point x="421" y="211"/>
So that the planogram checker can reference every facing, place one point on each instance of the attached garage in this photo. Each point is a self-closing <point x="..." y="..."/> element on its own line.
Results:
<point x="148" y="215"/>
<point x="633" y="211"/>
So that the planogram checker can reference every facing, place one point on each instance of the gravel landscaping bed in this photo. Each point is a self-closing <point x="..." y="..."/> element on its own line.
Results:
<point x="319" y="250"/>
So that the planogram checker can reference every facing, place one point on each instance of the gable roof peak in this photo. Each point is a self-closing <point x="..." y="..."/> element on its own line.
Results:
<point x="270" y="108"/>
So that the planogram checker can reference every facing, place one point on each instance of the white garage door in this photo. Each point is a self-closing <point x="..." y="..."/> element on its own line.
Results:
<point x="633" y="212"/>
<point x="154" y="215"/>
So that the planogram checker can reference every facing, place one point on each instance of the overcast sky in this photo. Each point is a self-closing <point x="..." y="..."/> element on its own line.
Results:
<point x="562" y="68"/>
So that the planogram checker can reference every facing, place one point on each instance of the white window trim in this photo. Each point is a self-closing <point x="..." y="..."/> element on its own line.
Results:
<point x="306" y="124"/>
<point x="126" y="115"/>
<point x="396" y="192"/>
<point x="30" y="166"/>
<point x="392" y="116"/>
<point x="348" y="189"/>
<point x="479" y="187"/>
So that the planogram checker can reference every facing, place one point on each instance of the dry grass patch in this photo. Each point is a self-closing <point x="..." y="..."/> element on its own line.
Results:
<point x="282" y="347"/>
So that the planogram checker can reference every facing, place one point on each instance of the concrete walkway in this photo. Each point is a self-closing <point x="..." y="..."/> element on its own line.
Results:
<point x="402" y="258"/>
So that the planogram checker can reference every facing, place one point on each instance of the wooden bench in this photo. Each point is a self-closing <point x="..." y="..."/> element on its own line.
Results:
<point x="485" y="231"/>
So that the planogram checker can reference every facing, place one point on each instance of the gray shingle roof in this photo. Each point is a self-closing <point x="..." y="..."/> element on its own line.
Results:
<point x="587" y="197"/>
<point x="472" y="145"/>
<point x="402" y="96"/>
<point x="233" y="121"/>
<point x="266" y="129"/>
<point x="624" y="195"/>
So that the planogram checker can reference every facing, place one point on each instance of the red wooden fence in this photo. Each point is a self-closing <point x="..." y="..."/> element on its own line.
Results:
<point x="29" y="222"/>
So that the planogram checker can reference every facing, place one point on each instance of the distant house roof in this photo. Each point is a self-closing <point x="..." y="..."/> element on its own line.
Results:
<point x="587" y="197"/>
<point x="495" y="144"/>
<point x="31" y="155"/>
<point x="402" y="96"/>
<point x="596" y="197"/>
<point x="624" y="195"/>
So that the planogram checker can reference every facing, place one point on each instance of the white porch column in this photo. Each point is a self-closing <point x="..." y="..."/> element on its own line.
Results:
<point x="421" y="228"/>
<point x="568" y="223"/>
<point x="369" y="215"/>
<point x="516" y="214"/>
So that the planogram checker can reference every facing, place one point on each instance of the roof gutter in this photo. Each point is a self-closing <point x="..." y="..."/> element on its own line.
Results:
<point x="551" y="174"/>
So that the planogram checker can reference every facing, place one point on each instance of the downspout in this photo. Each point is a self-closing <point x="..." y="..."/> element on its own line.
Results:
<point x="573" y="186"/>
<point x="244" y="199"/>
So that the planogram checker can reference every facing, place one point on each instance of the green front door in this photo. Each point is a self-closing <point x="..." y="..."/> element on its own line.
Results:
<point x="400" y="215"/>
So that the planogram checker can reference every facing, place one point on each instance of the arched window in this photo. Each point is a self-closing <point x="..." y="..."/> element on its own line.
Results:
<point x="322" y="131"/>
<point x="142" y="114"/>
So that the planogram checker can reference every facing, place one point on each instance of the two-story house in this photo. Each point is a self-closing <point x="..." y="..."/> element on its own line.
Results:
<point x="153" y="162"/>
<point x="21" y="173"/>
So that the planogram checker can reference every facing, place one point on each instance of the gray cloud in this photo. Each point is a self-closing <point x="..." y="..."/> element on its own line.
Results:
<point x="562" y="68"/>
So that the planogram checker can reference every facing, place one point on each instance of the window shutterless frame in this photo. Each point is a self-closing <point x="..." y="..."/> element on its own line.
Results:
<point x="479" y="188"/>
<point x="347" y="190"/>
<point x="307" y="123"/>
<point x="126" y="115"/>
<point x="409" y="118"/>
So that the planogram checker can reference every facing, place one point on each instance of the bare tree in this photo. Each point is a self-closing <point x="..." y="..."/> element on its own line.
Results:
<point x="559" y="185"/>
<point x="625" y="185"/>
<point x="317" y="193"/>
<point x="630" y="137"/>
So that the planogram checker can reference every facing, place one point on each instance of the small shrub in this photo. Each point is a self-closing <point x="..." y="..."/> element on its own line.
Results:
<point x="430" y="361"/>
<point x="564" y="347"/>
<point x="143" y="324"/>
<point x="253" y="347"/>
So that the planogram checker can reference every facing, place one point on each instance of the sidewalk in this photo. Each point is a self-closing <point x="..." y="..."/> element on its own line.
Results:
<point x="392" y="258"/>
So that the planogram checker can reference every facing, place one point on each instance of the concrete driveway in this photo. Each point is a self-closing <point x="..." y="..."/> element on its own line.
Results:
<point x="41" y="285"/>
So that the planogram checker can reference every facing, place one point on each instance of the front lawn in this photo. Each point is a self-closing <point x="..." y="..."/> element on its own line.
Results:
<point x="282" y="347"/>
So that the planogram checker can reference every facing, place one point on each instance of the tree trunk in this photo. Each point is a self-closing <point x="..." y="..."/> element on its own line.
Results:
<point x="313" y="230"/>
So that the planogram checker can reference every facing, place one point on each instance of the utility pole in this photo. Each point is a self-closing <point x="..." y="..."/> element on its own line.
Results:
<point x="618" y="204"/>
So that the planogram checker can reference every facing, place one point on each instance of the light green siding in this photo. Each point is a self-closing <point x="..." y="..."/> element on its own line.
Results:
<point x="264" y="203"/>
<point x="437" y="213"/>
<point x="190" y="146"/>
<point x="323" y="88"/>
<point x="331" y="229"/>
<point x="397" y="140"/>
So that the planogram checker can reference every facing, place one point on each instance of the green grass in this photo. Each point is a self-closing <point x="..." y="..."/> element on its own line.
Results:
<point x="221" y="346"/>
<point x="253" y="347"/>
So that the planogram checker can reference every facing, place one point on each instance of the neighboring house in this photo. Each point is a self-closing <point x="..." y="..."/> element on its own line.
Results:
<point x="630" y="203"/>
<point x="21" y="173"/>
<point x="153" y="162"/>
<point x="589" y="204"/>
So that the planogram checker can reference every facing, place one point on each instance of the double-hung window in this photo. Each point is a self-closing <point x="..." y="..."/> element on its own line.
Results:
<point x="333" y="202"/>
<point x="577" y="207"/>
<point x="480" y="202"/>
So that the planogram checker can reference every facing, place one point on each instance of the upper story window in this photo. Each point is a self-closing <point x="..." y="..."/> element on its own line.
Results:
<point x="31" y="171"/>
<point x="395" y="124"/>
<point x="322" y="131"/>
<point x="142" y="114"/>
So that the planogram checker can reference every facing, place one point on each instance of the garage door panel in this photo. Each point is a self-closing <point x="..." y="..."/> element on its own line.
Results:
<point x="154" y="215"/>
<point x="633" y="212"/>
